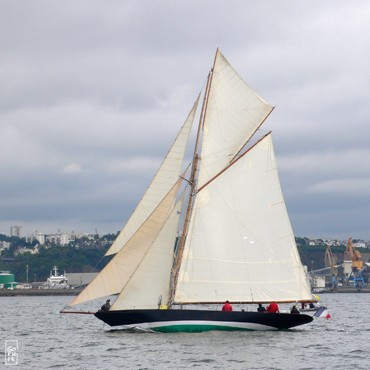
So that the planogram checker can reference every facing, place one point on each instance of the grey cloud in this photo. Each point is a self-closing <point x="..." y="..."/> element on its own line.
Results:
<point x="93" y="94"/>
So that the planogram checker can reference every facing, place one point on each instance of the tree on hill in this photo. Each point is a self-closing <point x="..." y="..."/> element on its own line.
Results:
<point x="67" y="259"/>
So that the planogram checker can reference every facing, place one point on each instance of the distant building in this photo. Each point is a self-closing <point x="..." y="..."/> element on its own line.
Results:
<point x="37" y="235"/>
<point x="81" y="278"/>
<point x="26" y="250"/>
<point x="359" y="244"/>
<point x="64" y="239"/>
<point x="16" y="231"/>
<point x="40" y="237"/>
<point x="59" y="238"/>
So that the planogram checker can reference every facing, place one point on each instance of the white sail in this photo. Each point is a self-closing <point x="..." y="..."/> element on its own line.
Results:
<point x="125" y="263"/>
<point x="240" y="244"/>
<point x="166" y="176"/>
<point x="152" y="277"/>
<point x="234" y="113"/>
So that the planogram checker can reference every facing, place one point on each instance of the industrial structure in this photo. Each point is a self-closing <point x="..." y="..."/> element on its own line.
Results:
<point x="7" y="280"/>
<point x="349" y="274"/>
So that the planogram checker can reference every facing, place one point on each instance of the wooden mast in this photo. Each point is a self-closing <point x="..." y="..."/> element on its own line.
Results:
<point x="192" y="182"/>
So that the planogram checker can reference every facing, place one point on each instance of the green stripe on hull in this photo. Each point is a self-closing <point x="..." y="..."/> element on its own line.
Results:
<point x="195" y="328"/>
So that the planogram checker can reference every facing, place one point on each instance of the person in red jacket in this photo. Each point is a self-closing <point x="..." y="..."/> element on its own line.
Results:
<point x="227" y="306"/>
<point x="272" y="308"/>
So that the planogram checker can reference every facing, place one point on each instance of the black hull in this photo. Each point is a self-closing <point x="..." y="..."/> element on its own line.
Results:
<point x="200" y="320"/>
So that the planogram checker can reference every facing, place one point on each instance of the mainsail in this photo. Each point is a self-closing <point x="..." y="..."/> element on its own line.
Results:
<point x="240" y="245"/>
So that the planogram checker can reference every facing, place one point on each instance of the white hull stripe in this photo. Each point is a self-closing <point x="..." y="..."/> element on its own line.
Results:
<point x="230" y="324"/>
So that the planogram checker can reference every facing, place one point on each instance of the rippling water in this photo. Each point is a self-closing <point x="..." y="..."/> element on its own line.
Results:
<point x="47" y="340"/>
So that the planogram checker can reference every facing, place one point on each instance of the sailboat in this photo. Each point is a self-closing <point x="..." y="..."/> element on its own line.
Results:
<point x="218" y="231"/>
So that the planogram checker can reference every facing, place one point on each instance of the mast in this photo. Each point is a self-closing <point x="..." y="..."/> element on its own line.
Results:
<point x="193" y="185"/>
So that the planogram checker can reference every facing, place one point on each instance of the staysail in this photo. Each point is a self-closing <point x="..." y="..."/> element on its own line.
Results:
<point x="240" y="245"/>
<point x="163" y="181"/>
<point x="115" y="275"/>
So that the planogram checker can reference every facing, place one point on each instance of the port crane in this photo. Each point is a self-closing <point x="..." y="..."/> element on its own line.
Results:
<point x="329" y="262"/>
<point x="351" y="254"/>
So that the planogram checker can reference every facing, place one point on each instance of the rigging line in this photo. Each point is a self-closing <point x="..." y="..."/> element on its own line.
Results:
<point x="250" y="137"/>
<point x="181" y="142"/>
<point x="101" y="259"/>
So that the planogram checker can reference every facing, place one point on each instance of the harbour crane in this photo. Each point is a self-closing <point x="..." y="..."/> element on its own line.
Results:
<point x="329" y="262"/>
<point x="351" y="254"/>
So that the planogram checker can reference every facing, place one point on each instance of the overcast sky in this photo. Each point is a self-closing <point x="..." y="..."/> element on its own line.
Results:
<point x="92" y="94"/>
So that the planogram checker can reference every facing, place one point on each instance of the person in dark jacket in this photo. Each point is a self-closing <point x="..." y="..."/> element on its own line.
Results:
<point x="260" y="308"/>
<point x="294" y="310"/>
<point x="106" y="306"/>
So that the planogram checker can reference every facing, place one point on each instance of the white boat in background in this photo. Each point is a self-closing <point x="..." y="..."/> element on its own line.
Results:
<point x="55" y="281"/>
<point x="220" y="232"/>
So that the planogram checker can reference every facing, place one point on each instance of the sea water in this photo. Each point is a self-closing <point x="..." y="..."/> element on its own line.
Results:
<point x="46" y="339"/>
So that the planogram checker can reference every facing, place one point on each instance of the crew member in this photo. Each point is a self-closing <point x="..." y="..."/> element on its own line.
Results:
<point x="227" y="306"/>
<point x="106" y="305"/>
<point x="294" y="310"/>
<point x="273" y="308"/>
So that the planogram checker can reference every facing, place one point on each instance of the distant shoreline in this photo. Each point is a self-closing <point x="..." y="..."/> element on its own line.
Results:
<point x="74" y="292"/>
<point x="345" y="290"/>
<point x="38" y="292"/>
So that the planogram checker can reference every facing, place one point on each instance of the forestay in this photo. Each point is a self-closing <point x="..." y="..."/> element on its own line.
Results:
<point x="163" y="181"/>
